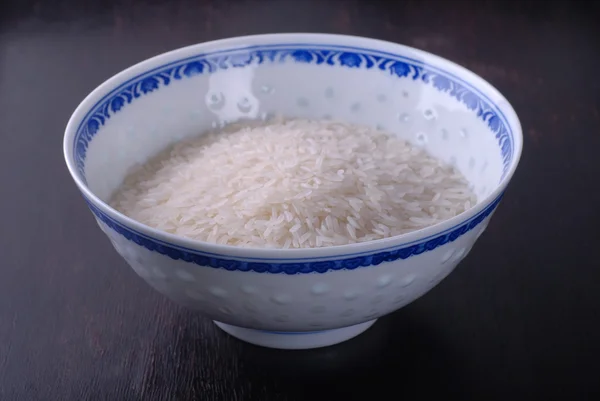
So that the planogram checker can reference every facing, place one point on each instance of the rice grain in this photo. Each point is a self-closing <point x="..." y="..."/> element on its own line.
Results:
<point x="293" y="184"/>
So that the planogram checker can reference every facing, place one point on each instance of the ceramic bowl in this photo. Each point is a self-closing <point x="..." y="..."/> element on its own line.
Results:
<point x="299" y="298"/>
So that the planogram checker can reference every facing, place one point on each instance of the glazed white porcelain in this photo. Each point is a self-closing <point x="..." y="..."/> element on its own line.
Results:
<point x="301" y="298"/>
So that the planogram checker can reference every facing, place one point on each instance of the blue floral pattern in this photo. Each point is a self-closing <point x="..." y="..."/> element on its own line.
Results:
<point x="295" y="266"/>
<point x="336" y="56"/>
<point x="352" y="60"/>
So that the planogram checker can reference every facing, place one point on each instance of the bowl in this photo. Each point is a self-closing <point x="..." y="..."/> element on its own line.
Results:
<point x="294" y="298"/>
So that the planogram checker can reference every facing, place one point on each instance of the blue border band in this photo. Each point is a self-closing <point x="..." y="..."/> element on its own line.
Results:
<point x="296" y="266"/>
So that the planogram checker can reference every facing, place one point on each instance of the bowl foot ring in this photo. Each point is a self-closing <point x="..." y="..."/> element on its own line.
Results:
<point x="295" y="340"/>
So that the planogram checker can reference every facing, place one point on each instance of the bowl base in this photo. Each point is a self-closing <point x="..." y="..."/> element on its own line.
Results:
<point x="295" y="340"/>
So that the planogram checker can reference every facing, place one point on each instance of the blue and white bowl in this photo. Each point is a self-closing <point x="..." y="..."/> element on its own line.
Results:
<point x="298" y="298"/>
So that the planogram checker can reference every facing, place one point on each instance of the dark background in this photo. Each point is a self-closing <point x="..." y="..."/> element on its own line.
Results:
<point x="519" y="318"/>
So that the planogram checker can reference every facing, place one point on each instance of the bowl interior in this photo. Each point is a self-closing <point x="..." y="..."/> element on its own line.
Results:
<point x="431" y="102"/>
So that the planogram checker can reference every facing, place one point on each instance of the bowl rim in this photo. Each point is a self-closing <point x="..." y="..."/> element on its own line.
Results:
<point x="301" y="254"/>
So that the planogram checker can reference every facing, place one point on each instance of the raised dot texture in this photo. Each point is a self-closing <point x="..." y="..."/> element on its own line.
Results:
<point x="408" y="280"/>
<point x="329" y="93"/>
<point x="445" y="134"/>
<point x="404" y="117"/>
<point x="463" y="133"/>
<point x="185" y="276"/>
<point x="381" y="98"/>
<point x="244" y="105"/>
<point x="216" y="101"/>
<point x="405" y="94"/>
<point x="319" y="289"/>
<point x="384" y="281"/>
<point x="355" y="107"/>
<point x="429" y="114"/>
<point x="282" y="299"/>
<point x="248" y="289"/>
<point x="267" y="89"/>
<point x="351" y="294"/>
<point x="421" y="138"/>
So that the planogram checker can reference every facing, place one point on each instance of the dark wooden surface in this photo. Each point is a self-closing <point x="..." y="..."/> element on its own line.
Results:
<point x="519" y="319"/>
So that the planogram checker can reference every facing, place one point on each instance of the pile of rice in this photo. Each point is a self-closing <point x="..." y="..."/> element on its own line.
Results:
<point x="293" y="184"/>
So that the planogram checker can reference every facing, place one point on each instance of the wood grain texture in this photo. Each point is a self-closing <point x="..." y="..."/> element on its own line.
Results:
<point x="519" y="318"/>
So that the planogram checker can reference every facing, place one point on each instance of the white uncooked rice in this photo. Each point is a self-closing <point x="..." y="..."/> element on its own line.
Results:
<point x="293" y="184"/>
